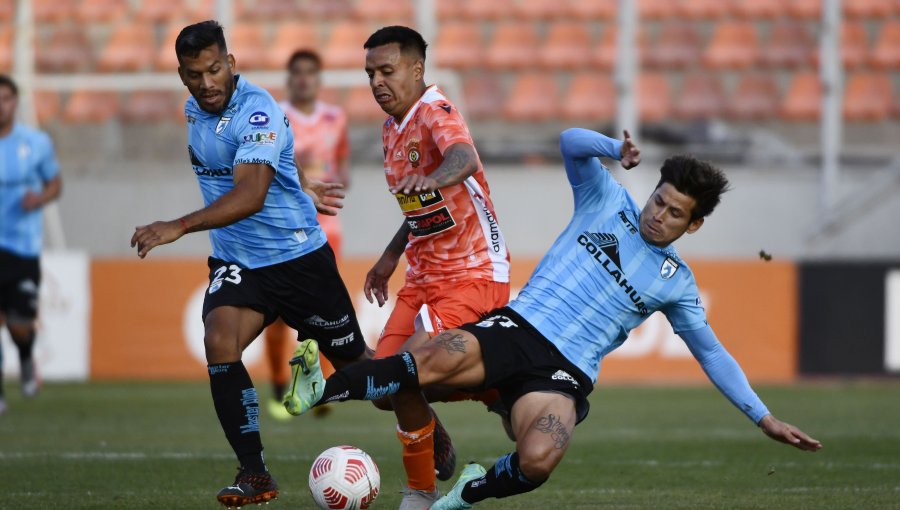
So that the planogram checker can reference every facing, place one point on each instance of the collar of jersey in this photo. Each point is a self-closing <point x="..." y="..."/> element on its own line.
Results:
<point x="414" y="108"/>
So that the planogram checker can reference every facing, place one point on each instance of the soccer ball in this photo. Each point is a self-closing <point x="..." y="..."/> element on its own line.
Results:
<point x="344" y="478"/>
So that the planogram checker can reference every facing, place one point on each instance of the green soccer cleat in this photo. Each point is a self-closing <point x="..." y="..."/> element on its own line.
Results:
<point x="307" y="381"/>
<point x="453" y="500"/>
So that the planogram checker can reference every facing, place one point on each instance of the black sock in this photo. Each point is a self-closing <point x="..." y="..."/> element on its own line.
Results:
<point x="237" y="407"/>
<point x="25" y="346"/>
<point x="279" y="390"/>
<point x="371" y="379"/>
<point x="502" y="480"/>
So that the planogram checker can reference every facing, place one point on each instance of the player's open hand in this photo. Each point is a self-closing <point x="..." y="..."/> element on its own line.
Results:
<point x="147" y="237"/>
<point x="415" y="185"/>
<point x="631" y="155"/>
<point x="327" y="196"/>
<point x="377" y="278"/>
<point x="788" y="434"/>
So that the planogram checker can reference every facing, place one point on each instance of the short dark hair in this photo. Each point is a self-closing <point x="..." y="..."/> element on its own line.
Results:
<point x="197" y="37"/>
<point x="698" y="179"/>
<point x="304" y="54"/>
<point x="408" y="39"/>
<point x="6" y="81"/>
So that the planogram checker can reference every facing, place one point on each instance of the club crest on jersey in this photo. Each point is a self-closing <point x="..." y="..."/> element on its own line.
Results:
<point x="668" y="268"/>
<point x="412" y="151"/>
<point x="259" y="119"/>
<point x="223" y="123"/>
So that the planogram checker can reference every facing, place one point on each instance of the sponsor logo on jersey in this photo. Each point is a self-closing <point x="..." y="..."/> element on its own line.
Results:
<point x="413" y="202"/>
<point x="604" y="248"/>
<point x="412" y="153"/>
<point x="287" y="122"/>
<point x="215" y="285"/>
<point x="319" y="322"/>
<point x="668" y="268"/>
<point x="259" y="119"/>
<point x="223" y="123"/>
<point x="431" y="223"/>
<point x="628" y="224"/>
<point x="562" y="375"/>
<point x="499" y="320"/>
<point x="344" y="340"/>
<point x="446" y="107"/>
<point x="261" y="138"/>
<point x="191" y="119"/>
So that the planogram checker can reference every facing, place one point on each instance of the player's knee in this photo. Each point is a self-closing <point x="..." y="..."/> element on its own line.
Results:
<point x="537" y="461"/>
<point x="221" y="347"/>
<point x="21" y="332"/>
<point x="383" y="404"/>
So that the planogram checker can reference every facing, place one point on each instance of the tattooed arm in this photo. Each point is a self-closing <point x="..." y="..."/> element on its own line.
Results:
<point x="460" y="161"/>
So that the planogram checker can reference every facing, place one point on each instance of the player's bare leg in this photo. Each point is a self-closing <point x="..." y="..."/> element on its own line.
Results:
<point x="543" y="422"/>
<point x="229" y="330"/>
<point x="23" y="334"/>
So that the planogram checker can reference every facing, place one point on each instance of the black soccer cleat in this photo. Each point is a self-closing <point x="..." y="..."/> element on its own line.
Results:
<point x="444" y="453"/>
<point x="249" y="488"/>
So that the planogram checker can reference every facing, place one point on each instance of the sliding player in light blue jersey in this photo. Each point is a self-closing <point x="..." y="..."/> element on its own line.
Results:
<point x="270" y="258"/>
<point x="610" y="269"/>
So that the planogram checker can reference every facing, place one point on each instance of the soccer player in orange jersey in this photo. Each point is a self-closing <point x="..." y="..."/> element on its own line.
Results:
<point x="457" y="257"/>
<point x="322" y="151"/>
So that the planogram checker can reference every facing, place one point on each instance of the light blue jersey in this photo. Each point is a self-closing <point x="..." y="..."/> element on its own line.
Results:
<point x="600" y="279"/>
<point x="252" y="129"/>
<point x="27" y="162"/>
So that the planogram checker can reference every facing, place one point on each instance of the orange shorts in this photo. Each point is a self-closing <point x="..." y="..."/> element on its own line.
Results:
<point x="450" y="305"/>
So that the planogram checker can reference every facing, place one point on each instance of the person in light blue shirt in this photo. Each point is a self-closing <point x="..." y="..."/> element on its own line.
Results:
<point x="610" y="269"/>
<point x="270" y="259"/>
<point x="29" y="179"/>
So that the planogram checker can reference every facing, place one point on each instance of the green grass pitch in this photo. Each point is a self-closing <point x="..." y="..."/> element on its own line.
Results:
<point x="140" y="445"/>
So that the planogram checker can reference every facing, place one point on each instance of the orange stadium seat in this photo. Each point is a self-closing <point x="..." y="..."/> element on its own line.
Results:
<point x="654" y="97"/>
<point x="459" y="45"/>
<point x="6" y="49"/>
<point x="91" y="107"/>
<point x="484" y="96"/>
<point x="756" y="97"/>
<point x="567" y="45"/>
<point x="591" y="97"/>
<point x="67" y="50"/>
<point x="678" y="45"/>
<point x="867" y="97"/>
<point x="344" y="48"/>
<point x="868" y="8"/>
<point x="266" y="9"/>
<point x="540" y="9"/>
<point x="247" y="42"/>
<point x="534" y="97"/>
<point x="854" y="44"/>
<point x="604" y="53"/>
<point x="758" y="8"/>
<point x="159" y="11"/>
<point x="514" y="46"/>
<point x="361" y="106"/>
<point x="480" y="10"/>
<point x="593" y="10"/>
<point x="701" y="97"/>
<point x="806" y="9"/>
<point x="734" y="44"/>
<point x="803" y="101"/>
<point x="388" y="11"/>
<point x="703" y="9"/>
<point x="7" y="11"/>
<point x="52" y="11"/>
<point x="886" y="53"/>
<point x="166" y="60"/>
<point x="152" y="106"/>
<point x="789" y="45"/>
<point x="330" y="9"/>
<point x="448" y="9"/>
<point x="203" y="10"/>
<point x="102" y="11"/>
<point x="46" y="106"/>
<point x="130" y="48"/>
<point x="290" y="37"/>
<point x="655" y="9"/>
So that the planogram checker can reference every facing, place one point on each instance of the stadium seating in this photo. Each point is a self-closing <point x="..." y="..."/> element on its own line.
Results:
<point x="67" y="50"/>
<point x="7" y="11"/>
<point x="91" y="107"/>
<point x="130" y="48"/>
<point x="514" y="46"/>
<point x="102" y="11"/>
<point x="52" y="11"/>
<point x="886" y="52"/>
<point x="678" y="45"/>
<point x="654" y="97"/>
<point x="755" y="98"/>
<point x="6" y="49"/>
<point x="803" y="101"/>
<point x="804" y="9"/>
<point x="161" y="11"/>
<point x="484" y="96"/>
<point x="757" y="9"/>
<point x="703" y="9"/>
<point x="477" y="10"/>
<point x="591" y="97"/>
<point x="655" y="9"/>
<point x="567" y="46"/>
<point x="734" y="44"/>
<point x="361" y="106"/>
<point x="258" y="10"/>
<point x="459" y="45"/>
<point x="534" y="97"/>
<point x="701" y="97"/>
<point x="330" y="9"/>
<point x="344" y="48"/>
<point x="46" y="106"/>
<point x="867" y="8"/>
<point x="593" y="10"/>
<point x="152" y="106"/>
<point x="384" y="11"/>
<point x="166" y="60"/>
<point x="448" y="9"/>
<point x="789" y="44"/>
<point x="290" y="37"/>
<point x="867" y="97"/>
<point x="537" y="10"/>
<point x="247" y="42"/>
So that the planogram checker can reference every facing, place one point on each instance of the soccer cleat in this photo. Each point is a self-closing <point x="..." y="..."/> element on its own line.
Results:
<point x="31" y="384"/>
<point x="249" y="488"/>
<point x="444" y="453"/>
<point x="307" y="381"/>
<point x="418" y="500"/>
<point x="277" y="410"/>
<point x="453" y="500"/>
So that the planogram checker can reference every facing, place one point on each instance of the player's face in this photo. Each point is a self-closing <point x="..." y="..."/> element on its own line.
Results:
<point x="209" y="77"/>
<point x="667" y="216"/>
<point x="8" y="104"/>
<point x="304" y="81"/>
<point x="395" y="77"/>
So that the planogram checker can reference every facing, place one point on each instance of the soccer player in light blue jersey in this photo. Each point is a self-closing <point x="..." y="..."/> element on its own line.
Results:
<point x="29" y="179"/>
<point x="609" y="270"/>
<point x="270" y="258"/>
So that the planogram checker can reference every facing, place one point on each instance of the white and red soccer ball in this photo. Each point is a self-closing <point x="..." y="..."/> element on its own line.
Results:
<point x="344" y="478"/>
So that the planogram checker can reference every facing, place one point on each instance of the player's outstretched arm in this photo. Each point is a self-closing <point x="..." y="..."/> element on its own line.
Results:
<point x="246" y="198"/>
<point x="328" y="197"/>
<point x="788" y="434"/>
<point x="580" y="148"/>
<point x="377" y="278"/>
<point x="460" y="161"/>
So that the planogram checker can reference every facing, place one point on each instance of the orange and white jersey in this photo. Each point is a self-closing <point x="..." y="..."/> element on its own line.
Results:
<point x="454" y="233"/>
<point x="320" y="139"/>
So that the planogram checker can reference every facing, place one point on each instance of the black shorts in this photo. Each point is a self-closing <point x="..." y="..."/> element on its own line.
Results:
<point x="306" y="292"/>
<point x="20" y="278"/>
<point x="518" y="360"/>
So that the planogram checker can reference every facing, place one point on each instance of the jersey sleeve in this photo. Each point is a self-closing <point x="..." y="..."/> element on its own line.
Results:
<point x="260" y="133"/>
<point x="591" y="182"/>
<point x="446" y="125"/>
<point x="47" y="167"/>
<point x="687" y="313"/>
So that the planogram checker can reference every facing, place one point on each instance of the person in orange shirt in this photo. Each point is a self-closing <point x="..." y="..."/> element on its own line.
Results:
<point x="458" y="263"/>
<point x="322" y="152"/>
